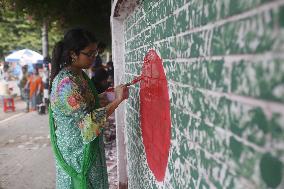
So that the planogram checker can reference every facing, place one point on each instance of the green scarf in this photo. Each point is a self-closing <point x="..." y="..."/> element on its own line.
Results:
<point x="90" y="152"/>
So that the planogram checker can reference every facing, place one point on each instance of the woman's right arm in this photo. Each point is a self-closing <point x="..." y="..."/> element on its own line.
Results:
<point x="121" y="93"/>
<point x="69" y="100"/>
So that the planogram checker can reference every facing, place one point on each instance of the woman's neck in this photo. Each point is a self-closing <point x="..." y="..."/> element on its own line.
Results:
<point x="75" y="70"/>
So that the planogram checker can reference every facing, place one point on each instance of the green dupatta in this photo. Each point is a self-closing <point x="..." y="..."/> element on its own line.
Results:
<point x="90" y="152"/>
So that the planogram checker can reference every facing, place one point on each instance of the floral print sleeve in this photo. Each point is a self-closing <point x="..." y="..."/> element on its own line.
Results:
<point x="71" y="100"/>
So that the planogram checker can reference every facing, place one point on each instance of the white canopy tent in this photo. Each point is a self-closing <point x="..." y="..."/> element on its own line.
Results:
<point x="24" y="57"/>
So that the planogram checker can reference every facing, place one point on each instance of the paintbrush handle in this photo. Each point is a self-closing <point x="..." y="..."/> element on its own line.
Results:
<point x="111" y="89"/>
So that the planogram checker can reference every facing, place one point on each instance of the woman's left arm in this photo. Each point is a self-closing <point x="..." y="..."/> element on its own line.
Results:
<point x="72" y="104"/>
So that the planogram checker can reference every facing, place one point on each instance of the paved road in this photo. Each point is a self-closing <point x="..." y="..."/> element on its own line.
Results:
<point x="26" y="160"/>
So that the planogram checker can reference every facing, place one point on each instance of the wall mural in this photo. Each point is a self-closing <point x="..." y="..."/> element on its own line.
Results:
<point x="155" y="114"/>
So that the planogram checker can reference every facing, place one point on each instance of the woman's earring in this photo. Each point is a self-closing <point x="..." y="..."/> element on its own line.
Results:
<point x="73" y="59"/>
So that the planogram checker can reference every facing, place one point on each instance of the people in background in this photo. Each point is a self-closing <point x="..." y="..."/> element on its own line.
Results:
<point x="6" y="74"/>
<point x="23" y="81"/>
<point x="1" y="71"/>
<point x="35" y="89"/>
<point x="110" y="71"/>
<point x="4" y="89"/>
<point x="45" y="80"/>
<point x="98" y="63"/>
<point x="27" y="92"/>
<point x="100" y="80"/>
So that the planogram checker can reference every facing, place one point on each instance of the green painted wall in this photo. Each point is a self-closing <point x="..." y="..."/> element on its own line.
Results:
<point x="224" y="61"/>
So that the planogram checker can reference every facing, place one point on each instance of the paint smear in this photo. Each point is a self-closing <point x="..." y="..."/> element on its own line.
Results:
<point x="155" y="114"/>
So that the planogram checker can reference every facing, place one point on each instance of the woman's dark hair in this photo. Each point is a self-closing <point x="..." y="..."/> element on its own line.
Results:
<point x="101" y="45"/>
<point x="74" y="40"/>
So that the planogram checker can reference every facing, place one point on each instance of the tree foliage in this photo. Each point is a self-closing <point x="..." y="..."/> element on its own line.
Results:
<point x="18" y="30"/>
<point x="91" y="14"/>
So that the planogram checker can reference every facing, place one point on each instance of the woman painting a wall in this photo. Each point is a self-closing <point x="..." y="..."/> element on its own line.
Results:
<point x="76" y="119"/>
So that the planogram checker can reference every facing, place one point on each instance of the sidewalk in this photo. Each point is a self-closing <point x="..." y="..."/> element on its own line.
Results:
<point x="26" y="159"/>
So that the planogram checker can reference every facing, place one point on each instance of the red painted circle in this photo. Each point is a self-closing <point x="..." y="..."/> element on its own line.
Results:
<point x="155" y="114"/>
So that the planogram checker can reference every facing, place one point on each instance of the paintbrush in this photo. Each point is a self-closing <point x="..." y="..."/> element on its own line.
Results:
<point x="135" y="80"/>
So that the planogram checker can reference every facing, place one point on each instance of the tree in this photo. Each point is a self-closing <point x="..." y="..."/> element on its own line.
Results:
<point x="63" y="14"/>
<point x="91" y="14"/>
<point x="19" y="30"/>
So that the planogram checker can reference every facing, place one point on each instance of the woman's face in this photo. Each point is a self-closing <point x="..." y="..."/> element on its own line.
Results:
<point x="86" y="57"/>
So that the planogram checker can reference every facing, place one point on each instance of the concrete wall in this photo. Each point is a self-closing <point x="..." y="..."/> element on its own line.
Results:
<point x="224" y="62"/>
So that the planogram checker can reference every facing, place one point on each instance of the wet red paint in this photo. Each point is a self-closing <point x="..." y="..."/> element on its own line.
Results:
<point x="155" y="114"/>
